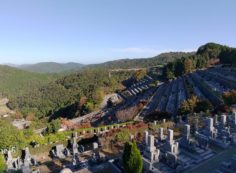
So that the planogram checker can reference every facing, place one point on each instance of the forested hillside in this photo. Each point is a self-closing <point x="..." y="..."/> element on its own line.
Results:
<point x="15" y="82"/>
<point x="73" y="95"/>
<point x="51" y="67"/>
<point x="207" y="55"/>
<point x="142" y="62"/>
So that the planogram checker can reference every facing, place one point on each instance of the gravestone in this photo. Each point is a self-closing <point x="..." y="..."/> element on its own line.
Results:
<point x="216" y="119"/>
<point x="187" y="131"/>
<point x="150" y="145"/>
<point x="170" y="135"/>
<point x="9" y="160"/>
<point x="74" y="147"/>
<point x="146" y="137"/>
<point x="151" y="154"/>
<point x="161" y="136"/>
<point x="74" y="160"/>
<point x="26" y="157"/>
<point x="223" y="119"/>
<point x="60" y="151"/>
<point x="131" y="137"/>
<point x="95" y="146"/>
<point x="209" y="124"/>
<point x="202" y="140"/>
<point x="234" y="118"/>
<point x="171" y="145"/>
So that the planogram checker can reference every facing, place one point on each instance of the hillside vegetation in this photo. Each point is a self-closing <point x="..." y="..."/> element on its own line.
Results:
<point x="73" y="95"/>
<point x="142" y="62"/>
<point x="51" y="67"/>
<point x="207" y="55"/>
<point x="15" y="82"/>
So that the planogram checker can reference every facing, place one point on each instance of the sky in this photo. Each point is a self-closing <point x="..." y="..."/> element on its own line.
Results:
<point x="94" y="31"/>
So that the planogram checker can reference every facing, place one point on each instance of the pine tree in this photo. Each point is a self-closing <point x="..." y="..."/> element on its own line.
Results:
<point x="132" y="158"/>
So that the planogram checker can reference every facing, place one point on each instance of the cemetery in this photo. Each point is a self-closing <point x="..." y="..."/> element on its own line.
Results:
<point x="118" y="87"/>
<point x="207" y="84"/>
<point x="165" y="154"/>
<point x="163" y="149"/>
<point x="137" y="88"/>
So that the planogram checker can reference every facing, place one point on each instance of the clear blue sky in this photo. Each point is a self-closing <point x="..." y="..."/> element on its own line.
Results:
<point x="92" y="31"/>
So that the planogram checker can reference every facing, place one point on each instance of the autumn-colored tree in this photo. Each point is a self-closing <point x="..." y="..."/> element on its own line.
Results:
<point x="188" y="105"/>
<point x="18" y="115"/>
<point x="188" y="66"/>
<point x="30" y="116"/>
<point x="82" y="101"/>
<point x="140" y="74"/>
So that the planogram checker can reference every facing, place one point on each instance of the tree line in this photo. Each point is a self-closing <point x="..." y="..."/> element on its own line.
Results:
<point x="206" y="55"/>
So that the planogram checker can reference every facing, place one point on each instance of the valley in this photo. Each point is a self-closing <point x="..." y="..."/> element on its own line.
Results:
<point x="103" y="107"/>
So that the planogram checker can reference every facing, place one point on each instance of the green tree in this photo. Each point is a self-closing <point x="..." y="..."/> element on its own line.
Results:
<point x="132" y="158"/>
<point x="10" y="136"/>
<point x="53" y="126"/>
<point x="122" y="136"/>
<point x="211" y="50"/>
<point x="179" y="68"/>
<point x="168" y="71"/>
<point x="228" y="56"/>
<point x="2" y="164"/>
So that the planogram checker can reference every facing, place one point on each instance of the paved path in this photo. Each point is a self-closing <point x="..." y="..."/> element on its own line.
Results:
<point x="210" y="165"/>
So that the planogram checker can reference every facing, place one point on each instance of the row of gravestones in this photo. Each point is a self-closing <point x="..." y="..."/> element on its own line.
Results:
<point x="22" y="163"/>
<point x="59" y="151"/>
<point x="95" y="131"/>
<point x="101" y="130"/>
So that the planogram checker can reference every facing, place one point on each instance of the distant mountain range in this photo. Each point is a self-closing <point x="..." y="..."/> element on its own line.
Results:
<point x="161" y="59"/>
<point x="53" y="67"/>
<point x="50" y="67"/>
